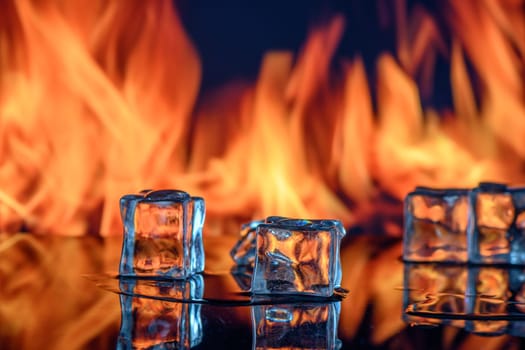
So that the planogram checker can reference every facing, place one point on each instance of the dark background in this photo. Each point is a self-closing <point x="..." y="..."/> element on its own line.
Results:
<point x="232" y="35"/>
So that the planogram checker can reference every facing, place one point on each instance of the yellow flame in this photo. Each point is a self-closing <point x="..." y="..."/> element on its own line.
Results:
<point x="97" y="99"/>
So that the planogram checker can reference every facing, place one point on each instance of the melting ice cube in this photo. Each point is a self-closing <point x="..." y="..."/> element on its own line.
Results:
<point x="297" y="256"/>
<point x="162" y="234"/>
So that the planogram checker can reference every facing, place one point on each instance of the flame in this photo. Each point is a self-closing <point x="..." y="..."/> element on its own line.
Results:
<point x="99" y="99"/>
<point x="83" y="121"/>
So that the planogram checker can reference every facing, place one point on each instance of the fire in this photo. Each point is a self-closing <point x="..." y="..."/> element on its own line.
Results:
<point x="98" y="99"/>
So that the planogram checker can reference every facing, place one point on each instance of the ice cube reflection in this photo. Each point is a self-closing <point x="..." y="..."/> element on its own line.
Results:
<point x="291" y="256"/>
<point x="296" y="326"/>
<point x="155" y="323"/>
<point x="486" y="300"/>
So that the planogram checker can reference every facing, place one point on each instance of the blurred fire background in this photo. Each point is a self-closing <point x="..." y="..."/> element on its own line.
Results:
<point x="319" y="109"/>
<point x="307" y="109"/>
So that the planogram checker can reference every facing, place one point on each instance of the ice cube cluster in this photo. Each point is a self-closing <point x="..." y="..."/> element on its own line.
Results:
<point x="162" y="234"/>
<point x="483" y="225"/>
<point x="163" y="238"/>
<point x="290" y="256"/>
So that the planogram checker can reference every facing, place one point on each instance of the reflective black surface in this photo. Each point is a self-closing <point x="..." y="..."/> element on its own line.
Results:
<point x="58" y="293"/>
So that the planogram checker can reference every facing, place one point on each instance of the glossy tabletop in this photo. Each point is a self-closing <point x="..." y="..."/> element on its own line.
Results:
<point x="61" y="293"/>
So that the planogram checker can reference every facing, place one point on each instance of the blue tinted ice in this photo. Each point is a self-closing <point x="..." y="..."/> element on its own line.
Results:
<point x="162" y="234"/>
<point x="297" y="256"/>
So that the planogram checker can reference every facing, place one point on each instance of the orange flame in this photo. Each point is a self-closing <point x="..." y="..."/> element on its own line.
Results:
<point x="98" y="99"/>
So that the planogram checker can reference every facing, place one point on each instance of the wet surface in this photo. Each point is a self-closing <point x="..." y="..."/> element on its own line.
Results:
<point x="62" y="293"/>
<point x="205" y="284"/>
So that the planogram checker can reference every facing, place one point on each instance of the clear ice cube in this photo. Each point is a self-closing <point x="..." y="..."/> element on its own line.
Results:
<point x="491" y="228"/>
<point x="148" y="323"/>
<point x="296" y="326"/>
<point x="435" y="225"/>
<point x="297" y="256"/>
<point x="243" y="253"/>
<point x="162" y="234"/>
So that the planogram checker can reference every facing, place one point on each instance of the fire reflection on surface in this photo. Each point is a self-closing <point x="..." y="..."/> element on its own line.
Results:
<point x="46" y="303"/>
<point x="98" y="99"/>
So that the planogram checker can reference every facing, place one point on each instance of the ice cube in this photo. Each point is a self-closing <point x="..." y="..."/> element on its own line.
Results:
<point x="297" y="256"/>
<point x="243" y="253"/>
<point x="156" y="323"/>
<point x="491" y="225"/>
<point x="435" y="225"/>
<point x="297" y="326"/>
<point x="162" y="234"/>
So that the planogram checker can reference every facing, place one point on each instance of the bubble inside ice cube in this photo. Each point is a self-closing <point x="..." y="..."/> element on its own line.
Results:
<point x="162" y="234"/>
<point x="297" y="256"/>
